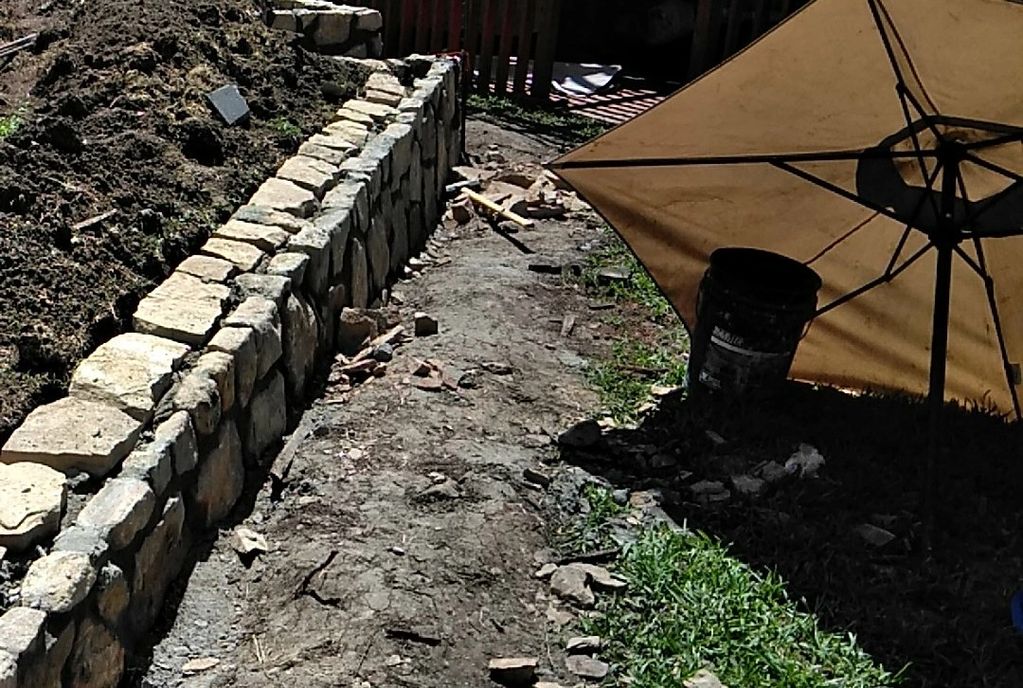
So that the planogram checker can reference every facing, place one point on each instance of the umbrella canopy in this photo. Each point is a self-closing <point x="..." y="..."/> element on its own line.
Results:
<point x="878" y="142"/>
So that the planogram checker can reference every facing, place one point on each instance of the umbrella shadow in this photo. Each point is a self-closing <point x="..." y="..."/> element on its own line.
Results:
<point x="944" y="612"/>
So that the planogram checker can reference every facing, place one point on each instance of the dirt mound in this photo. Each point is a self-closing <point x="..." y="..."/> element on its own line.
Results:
<point x="107" y="117"/>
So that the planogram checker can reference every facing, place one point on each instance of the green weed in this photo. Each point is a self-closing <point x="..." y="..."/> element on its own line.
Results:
<point x="11" y="123"/>
<point x="285" y="128"/>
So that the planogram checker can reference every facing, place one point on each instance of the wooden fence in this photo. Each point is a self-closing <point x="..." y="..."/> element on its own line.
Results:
<point x="723" y="27"/>
<point x="509" y="44"/>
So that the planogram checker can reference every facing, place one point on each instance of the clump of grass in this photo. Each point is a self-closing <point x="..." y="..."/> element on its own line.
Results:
<point x="568" y="128"/>
<point x="593" y="531"/>
<point x="636" y="364"/>
<point x="285" y="128"/>
<point x="11" y="123"/>
<point x="690" y="605"/>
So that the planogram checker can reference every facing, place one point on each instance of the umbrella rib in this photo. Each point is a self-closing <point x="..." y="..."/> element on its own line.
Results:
<point x="991" y="143"/>
<point x="830" y="247"/>
<point x="1004" y="171"/>
<point x="876" y="282"/>
<point x="771" y="159"/>
<point x="916" y="212"/>
<point x="877" y="8"/>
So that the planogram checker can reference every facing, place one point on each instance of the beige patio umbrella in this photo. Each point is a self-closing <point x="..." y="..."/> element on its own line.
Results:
<point x="878" y="142"/>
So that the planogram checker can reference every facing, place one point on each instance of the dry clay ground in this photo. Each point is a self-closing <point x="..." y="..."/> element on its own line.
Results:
<point x="356" y="550"/>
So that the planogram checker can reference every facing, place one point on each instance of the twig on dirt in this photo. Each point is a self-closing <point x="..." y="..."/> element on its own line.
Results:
<point x="365" y="654"/>
<point x="286" y="458"/>
<point x="601" y="555"/>
<point x="93" y="221"/>
<point x="260" y="653"/>
<point x="567" y="325"/>
<point x="412" y="636"/>
<point x="303" y="588"/>
<point x="18" y="45"/>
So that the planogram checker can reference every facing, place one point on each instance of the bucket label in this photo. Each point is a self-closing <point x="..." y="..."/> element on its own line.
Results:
<point x="731" y="363"/>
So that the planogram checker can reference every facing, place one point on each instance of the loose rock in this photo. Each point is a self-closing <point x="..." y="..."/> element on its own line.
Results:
<point x="32" y="498"/>
<point x="425" y="325"/>
<point x="514" y="671"/>
<point x="58" y="582"/>
<point x="587" y="667"/>
<point x="582" y="435"/>
<point x="703" y="679"/>
<point x="584" y="644"/>
<point x="873" y="535"/>
<point x="569" y="583"/>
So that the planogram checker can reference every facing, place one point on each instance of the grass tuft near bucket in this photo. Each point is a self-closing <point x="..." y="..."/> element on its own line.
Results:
<point x="752" y="311"/>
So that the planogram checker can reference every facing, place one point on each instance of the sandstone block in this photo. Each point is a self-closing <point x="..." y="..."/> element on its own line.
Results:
<point x="416" y="174"/>
<point x="272" y="287"/>
<point x="153" y="463"/>
<point x="120" y="510"/>
<point x="112" y="594"/>
<point x="58" y="582"/>
<point x="310" y="173"/>
<point x="221" y="477"/>
<point x="337" y="222"/>
<point x="130" y="372"/>
<point x="378" y="151"/>
<point x="243" y="256"/>
<point x="343" y="136"/>
<point x="300" y="339"/>
<point x="347" y="114"/>
<point x="315" y="243"/>
<point x="266" y="238"/>
<point x="198" y="394"/>
<point x="262" y="317"/>
<point x="368" y="19"/>
<point x="262" y="215"/>
<point x="279" y="194"/>
<point x="46" y="668"/>
<point x="32" y="499"/>
<point x="207" y="268"/>
<point x="220" y="367"/>
<point x="291" y="265"/>
<point x="157" y="563"/>
<point x="351" y="195"/>
<point x="382" y="97"/>
<point x="284" y="20"/>
<point x="332" y="155"/>
<point x="73" y="434"/>
<point x="358" y="272"/>
<point x="21" y="631"/>
<point x="8" y="671"/>
<point x="400" y="250"/>
<point x="332" y="28"/>
<point x="386" y="83"/>
<point x="367" y="169"/>
<point x="178" y="434"/>
<point x="87" y="541"/>
<point x="379" y="254"/>
<point x="241" y="344"/>
<point x="97" y="660"/>
<point x="401" y="148"/>
<point x="267" y="418"/>
<point x="183" y="308"/>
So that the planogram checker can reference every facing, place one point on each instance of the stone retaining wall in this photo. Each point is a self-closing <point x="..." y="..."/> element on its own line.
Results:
<point x="331" y="27"/>
<point x="167" y="423"/>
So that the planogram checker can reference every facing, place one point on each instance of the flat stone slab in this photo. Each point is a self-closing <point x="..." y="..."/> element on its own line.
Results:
<point x="74" y="434"/>
<point x="244" y="256"/>
<point x="268" y="216"/>
<point x="279" y="194"/>
<point x="131" y="372"/>
<point x="310" y="173"/>
<point x="332" y="155"/>
<point x="58" y="582"/>
<point x="120" y="511"/>
<point x="183" y="308"/>
<point x="32" y="498"/>
<point x="208" y="268"/>
<point x="264" y="237"/>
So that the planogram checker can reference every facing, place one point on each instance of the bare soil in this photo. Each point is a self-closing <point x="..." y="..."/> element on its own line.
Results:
<point x="115" y="119"/>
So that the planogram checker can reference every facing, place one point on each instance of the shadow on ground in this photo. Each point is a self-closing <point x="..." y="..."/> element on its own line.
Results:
<point x="946" y="613"/>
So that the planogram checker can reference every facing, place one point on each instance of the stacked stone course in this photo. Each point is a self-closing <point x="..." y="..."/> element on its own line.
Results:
<point x="331" y="27"/>
<point x="172" y="419"/>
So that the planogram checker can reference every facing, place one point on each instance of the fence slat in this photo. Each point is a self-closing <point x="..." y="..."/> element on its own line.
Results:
<point x="548" y="21"/>
<point x="487" y="48"/>
<point x="736" y="9"/>
<point x="525" y="46"/>
<point x="472" y="30"/>
<point x="441" y="9"/>
<point x="454" y="42"/>
<point x="704" y="36"/>
<point x="512" y="10"/>
<point x="759" y="17"/>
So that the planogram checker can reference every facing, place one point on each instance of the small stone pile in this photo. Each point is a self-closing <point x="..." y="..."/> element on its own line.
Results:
<point x="330" y="27"/>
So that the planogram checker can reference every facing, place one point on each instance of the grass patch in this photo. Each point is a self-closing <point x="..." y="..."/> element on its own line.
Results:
<point x="11" y="123"/>
<point x="637" y="362"/>
<point x="569" y="128"/>
<point x="690" y="605"/>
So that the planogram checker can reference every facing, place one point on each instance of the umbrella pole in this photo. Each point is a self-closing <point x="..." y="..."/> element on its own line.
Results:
<point x="945" y="240"/>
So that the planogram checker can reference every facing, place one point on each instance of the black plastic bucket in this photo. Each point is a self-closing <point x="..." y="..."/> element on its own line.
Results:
<point x="752" y="310"/>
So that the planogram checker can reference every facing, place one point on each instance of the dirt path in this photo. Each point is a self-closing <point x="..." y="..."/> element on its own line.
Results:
<point x="407" y="509"/>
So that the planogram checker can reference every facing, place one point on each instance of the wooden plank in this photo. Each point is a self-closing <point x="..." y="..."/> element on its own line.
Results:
<point x="455" y="41"/>
<point x="512" y="9"/>
<point x="759" y="17"/>
<point x="423" y="24"/>
<point x="471" y="38"/>
<point x="704" y="37"/>
<point x="736" y="10"/>
<point x="548" y="23"/>
<point x="406" y="44"/>
<point x="392" y="27"/>
<point x="525" y="46"/>
<point x="441" y="9"/>
<point x="487" y="47"/>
